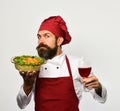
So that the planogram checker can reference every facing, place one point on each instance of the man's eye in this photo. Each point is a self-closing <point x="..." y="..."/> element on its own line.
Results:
<point x="47" y="36"/>
<point x="38" y="36"/>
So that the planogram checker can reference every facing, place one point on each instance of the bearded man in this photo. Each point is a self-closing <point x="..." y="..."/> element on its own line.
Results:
<point x="57" y="86"/>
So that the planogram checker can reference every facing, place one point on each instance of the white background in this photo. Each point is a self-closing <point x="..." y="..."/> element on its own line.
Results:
<point x="95" y="29"/>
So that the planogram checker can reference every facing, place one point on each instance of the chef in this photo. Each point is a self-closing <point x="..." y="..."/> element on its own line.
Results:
<point x="58" y="85"/>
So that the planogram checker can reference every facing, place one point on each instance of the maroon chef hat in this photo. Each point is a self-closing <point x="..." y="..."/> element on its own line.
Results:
<point x="57" y="26"/>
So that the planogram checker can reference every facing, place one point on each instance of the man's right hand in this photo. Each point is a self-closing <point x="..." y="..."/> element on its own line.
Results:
<point x="29" y="79"/>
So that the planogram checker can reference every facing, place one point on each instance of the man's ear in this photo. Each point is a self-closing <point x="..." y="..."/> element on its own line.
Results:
<point x="60" y="41"/>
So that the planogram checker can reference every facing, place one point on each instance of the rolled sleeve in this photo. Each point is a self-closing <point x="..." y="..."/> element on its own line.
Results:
<point x="102" y="98"/>
<point x="22" y="99"/>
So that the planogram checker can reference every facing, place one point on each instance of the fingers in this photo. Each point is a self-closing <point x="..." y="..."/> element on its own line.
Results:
<point x="28" y="73"/>
<point x="94" y="84"/>
<point x="91" y="82"/>
<point x="29" y="76"/>
<point x="89" y="79"/>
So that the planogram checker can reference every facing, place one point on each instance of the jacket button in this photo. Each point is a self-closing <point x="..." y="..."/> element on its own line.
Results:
<point x="45" y="68"/>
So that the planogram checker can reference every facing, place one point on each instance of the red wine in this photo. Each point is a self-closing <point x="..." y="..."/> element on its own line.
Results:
<point x="84" y="72"/>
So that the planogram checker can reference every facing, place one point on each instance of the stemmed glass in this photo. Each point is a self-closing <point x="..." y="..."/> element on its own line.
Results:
<point x="84" y="70"/>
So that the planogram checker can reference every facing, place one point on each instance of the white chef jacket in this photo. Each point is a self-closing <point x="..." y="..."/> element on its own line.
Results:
<point x="57" y="67"/>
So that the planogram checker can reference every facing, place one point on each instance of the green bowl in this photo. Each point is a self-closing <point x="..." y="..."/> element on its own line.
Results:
<point x="22" y="66"/>
<point x="27" y="68"/>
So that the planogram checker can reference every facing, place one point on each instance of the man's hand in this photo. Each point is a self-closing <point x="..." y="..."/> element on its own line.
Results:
<point x="29" y="79"/>
<point x="92" y="82"/>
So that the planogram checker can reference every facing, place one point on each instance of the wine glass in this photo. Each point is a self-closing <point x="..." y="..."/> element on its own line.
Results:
<point x="84" y="70"/>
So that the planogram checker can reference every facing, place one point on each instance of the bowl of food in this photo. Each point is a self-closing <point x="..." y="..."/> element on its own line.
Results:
<point x="27" y="62"/>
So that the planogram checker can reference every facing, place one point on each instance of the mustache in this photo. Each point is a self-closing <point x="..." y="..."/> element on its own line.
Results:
<point x="42" y="45"/>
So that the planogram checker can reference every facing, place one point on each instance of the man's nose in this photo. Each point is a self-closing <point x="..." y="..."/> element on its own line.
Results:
<point x="41" y="40"/>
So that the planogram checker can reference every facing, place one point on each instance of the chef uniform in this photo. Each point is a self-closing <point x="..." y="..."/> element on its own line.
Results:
<point x="58" y="86"/>
<point x="56" y="94"/>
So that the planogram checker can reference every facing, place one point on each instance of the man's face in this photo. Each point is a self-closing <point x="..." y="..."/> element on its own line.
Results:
<point x="47" y="44"/>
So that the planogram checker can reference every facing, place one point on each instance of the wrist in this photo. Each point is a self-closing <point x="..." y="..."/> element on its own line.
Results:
<point x="27" y="88"/>
<point x="98" y="90"/>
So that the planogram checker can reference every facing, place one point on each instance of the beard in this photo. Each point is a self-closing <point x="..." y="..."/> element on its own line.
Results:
<point x="46" y="52"/>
